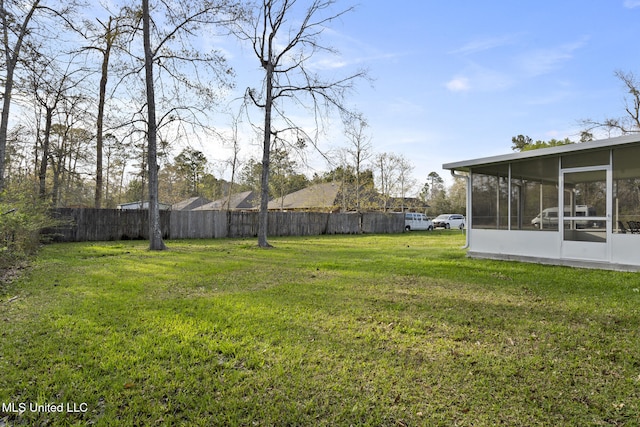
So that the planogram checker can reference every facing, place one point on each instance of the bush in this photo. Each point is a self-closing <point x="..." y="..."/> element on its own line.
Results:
<point x="22" y="216"/>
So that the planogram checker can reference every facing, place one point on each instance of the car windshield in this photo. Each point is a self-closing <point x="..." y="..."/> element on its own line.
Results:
<point x="442" y="217"/>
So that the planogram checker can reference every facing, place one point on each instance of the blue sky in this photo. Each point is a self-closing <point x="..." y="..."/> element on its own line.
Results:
<point x="454" y="80"/>
<point x="457" y="79"/>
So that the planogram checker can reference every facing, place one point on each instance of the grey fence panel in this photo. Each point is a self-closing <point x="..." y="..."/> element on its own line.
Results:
<point x="382" y="223"/>
<point x="130" y="223"/>
<point x="199" y="224"/>
<point x="221" y="223"/>
<point x="243" y="224"/>
<point x="297" y="223"/>
<point x="186" y="225"/>
<point x="344" y="223"/>
<point x="84" y="224"/>
<point x="80" y="225"/>
<point x="317" y="223"/>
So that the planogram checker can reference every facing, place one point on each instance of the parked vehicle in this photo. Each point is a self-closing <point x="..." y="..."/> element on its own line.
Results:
<point x="449" y="221"/>
<point x="417" y="221"/>
<point x="549" y="217"/>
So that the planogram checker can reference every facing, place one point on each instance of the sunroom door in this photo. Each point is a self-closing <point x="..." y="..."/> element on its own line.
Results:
<point x="586" y="219"/>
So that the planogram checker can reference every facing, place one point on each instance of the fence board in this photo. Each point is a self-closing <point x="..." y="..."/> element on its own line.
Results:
<point x="381" y="223"/>
<point x="344" y="223"/>
<point x="84" y="224"/>
<point x="198" y="224"/>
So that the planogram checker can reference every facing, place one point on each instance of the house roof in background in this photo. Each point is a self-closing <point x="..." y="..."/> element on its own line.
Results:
<point x="319" y="196"/>
<point x="142" y="205"/>
<point x="189" y="204"/>
<point x="244" y="200"/>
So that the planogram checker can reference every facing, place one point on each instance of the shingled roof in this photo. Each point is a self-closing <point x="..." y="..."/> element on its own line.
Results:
<point x="244" y="200"/>
<point x="316" y="197"/>
<point x="189" y="204"/>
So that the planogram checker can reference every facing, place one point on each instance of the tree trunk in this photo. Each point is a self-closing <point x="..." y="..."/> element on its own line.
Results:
<point x="263" y="216"/>
<point x="106" y="187"/>
<point x="11" y="57"/>
<point x="42" y="176"/>
<point x="155" y="232"/>
<point x="100" y="120"/>
<point x="55" y="189"/>
<point x="4" y="121"/>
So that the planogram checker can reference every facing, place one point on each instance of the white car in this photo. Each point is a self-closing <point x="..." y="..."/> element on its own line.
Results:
<point x="417" y="221"/>
<point x="449" y="221"/>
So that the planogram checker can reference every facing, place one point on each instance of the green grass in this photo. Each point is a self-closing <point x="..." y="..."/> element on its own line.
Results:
<point x="374" y="330"/>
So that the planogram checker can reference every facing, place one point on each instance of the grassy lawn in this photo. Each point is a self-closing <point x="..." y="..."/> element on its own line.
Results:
<point x="393" y="330"/>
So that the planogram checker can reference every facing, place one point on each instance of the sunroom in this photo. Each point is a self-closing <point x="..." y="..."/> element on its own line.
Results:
<point x="513" y="204"/>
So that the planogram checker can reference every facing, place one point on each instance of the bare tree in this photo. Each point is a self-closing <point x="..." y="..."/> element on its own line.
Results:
<point x="234" y="162"/>
<point x="180" y="22"/>
<point x="20" y="31"/>
<point x="359" y="148"/>
<point x="405" y="180"/>
<point x="49" y="86"/>
<point x="285" y="34"/>
<point x="630" y="123"/>
<point x="15" y="27"/>
<point x="387" y="177"/>
<point x="110" y="33"/>
<point x="69" y="150"/>
<point x="117" y="156"/>
<point x="104" y="38"/>
<point x="155" y="232"/>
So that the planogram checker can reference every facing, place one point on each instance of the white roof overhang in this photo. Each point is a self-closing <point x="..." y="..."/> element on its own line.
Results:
<point x="467" y="165"/>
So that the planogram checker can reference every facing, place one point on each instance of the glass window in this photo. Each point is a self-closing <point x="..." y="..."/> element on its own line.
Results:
<point x="484" y="197"/>
<point x="626" y="189"/>
<point x="534" y="194"/>
<point x="533" y="197"/>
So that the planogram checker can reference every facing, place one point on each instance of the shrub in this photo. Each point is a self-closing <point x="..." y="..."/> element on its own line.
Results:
<point x="22" y="216"/>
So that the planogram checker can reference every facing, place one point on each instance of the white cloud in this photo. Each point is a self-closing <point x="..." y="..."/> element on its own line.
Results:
<point x="542" y="61"/>
<point x="344" y="61"/>
<point x="458" y="84"/>
<point x="329" y="64"/>
<point x="491" y="72"/>
<point x="630" y="4"/>
<point x="351" y="51"/>
<point x="478" y="78"/>
<point x="483" y="44"/>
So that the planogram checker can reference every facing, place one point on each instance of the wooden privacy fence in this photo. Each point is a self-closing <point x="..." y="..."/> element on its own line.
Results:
<point x="82" y="224"/>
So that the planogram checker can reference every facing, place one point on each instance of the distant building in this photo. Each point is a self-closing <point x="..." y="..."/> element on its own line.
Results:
<point x="407" y="204"/>
<point x="246" y="200"/>
<point x="334" y="197"/>
<point x="143" y="205"/>
<point x="190" y="204"/>
<point x="319" y="197"/>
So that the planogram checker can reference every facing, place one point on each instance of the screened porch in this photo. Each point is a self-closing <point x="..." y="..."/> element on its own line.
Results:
<point x="514" y="203"/>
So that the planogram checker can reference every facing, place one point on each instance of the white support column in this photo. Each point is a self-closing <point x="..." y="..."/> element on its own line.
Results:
<point x="509" y="199"/>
